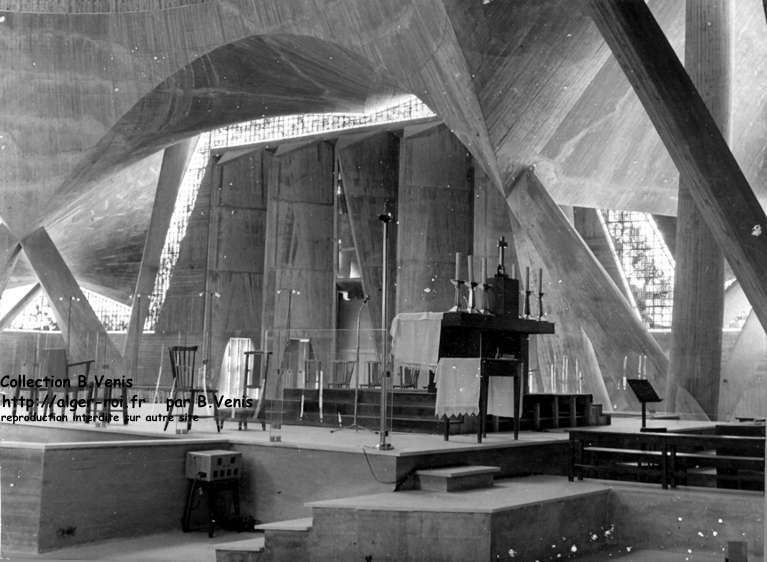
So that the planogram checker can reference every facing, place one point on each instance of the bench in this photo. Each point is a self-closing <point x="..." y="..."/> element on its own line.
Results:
<point x="668" y="458"/>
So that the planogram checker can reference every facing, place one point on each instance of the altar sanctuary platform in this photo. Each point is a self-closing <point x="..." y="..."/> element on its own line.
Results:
<point x="284" y="480"/>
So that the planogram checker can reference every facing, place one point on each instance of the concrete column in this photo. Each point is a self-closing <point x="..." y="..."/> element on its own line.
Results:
<point x="369" y="167"/>
<point x="236" y="263"/>
<point x="696" y="352"/>
<point x="435" y="210"/>
<point x="299" y="284"/>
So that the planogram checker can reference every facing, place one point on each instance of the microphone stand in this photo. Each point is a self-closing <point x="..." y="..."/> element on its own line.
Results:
<point x="385" y="218"/>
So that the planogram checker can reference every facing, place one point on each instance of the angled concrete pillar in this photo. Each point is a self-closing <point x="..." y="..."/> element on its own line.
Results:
<point x="696" y="327"/>
<point x="82" y="330"/>
<point x="174" y="164"/>
<point x="593" y="298"/>
<point x="692" y="138"/>
<point x="9" y="254"/>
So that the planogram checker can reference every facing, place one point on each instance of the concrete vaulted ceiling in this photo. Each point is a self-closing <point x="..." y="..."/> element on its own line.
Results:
<point x="93" y="90"/>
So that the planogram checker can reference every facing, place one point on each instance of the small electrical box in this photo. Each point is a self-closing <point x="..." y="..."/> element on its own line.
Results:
<point x="211" y="466"/>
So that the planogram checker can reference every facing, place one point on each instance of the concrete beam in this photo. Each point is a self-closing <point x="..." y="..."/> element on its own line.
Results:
<point x="692" y="138"/>
<point x="174" y="164"/>
<point x="7" y="320"/>
<point x="610" y="323"/>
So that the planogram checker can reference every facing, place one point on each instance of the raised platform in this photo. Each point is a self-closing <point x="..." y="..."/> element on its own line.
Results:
<point x="524" y="516"/>
<point x="413" y="410"/>
<point x="308" y="464"/>
<point x="315" y="464"/>
<point x="532" y="518"/>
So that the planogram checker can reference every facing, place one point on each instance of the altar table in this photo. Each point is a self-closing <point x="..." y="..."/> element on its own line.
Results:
<point x="480" y="360"/>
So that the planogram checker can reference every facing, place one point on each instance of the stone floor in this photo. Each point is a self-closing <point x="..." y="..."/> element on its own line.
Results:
<point x="653" y="556"/>
<point x="173" y="546"/>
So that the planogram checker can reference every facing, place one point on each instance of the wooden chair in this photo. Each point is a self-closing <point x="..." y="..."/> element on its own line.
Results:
<point x="342" y="374"/>
<point x="52" y="365"/>
<point x="312" y="374"/>
<point x="74" y="373"/>
<point x="408" y="376"/>
<point x="375" y="375"/>
<point x="254" y="379"/>
<point x="182" y="365"/>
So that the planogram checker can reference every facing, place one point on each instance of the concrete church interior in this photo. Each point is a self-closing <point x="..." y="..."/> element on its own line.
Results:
<point x="383" y="280"/>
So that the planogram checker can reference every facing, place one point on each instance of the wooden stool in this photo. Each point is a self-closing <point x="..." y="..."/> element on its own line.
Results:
<point x="211" y="490"/>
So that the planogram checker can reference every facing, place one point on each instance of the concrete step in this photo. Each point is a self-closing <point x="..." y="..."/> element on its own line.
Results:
<point x="289" y="525"/>
<point x="456" y="478"/>
<point x="285" y="540"/>
<point x="249" y="550"/>
<point x="525" y="518"/>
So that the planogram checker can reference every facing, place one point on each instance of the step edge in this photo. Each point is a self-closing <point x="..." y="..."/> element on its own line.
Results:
<point x="301" y="524"/>
<point x="458" y="471"/>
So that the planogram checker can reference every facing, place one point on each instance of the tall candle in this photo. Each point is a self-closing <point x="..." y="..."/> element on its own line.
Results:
<point x="540" y="280"/>
<point x="578" y="377"/>
<point x="457" y="266"/>
<point x="551" y="376"/>
<point x="470" y="264"/>
<point x="527" y="279"/>
<point x="513" y="271"/>
<point x="484" y="270"/>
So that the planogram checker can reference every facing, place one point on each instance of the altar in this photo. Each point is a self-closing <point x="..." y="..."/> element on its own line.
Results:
<point x="480" y="361"/>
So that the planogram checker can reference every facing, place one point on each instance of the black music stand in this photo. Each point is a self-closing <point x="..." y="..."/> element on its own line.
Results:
<point x="645" y="393"/>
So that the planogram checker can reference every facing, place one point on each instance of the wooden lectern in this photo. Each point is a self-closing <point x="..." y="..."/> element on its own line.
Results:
<point x="645" y="393"/>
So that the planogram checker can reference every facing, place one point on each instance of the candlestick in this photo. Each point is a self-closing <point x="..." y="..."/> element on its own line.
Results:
<point x="457" y="283"/>
<point x="483" y="278"/>
<point x="528" y="292"/>
<point x="470" y="263"/>
<point x="502" y="244"/>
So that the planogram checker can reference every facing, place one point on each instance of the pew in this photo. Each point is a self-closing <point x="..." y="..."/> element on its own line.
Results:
<point x="669" y="458"/>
